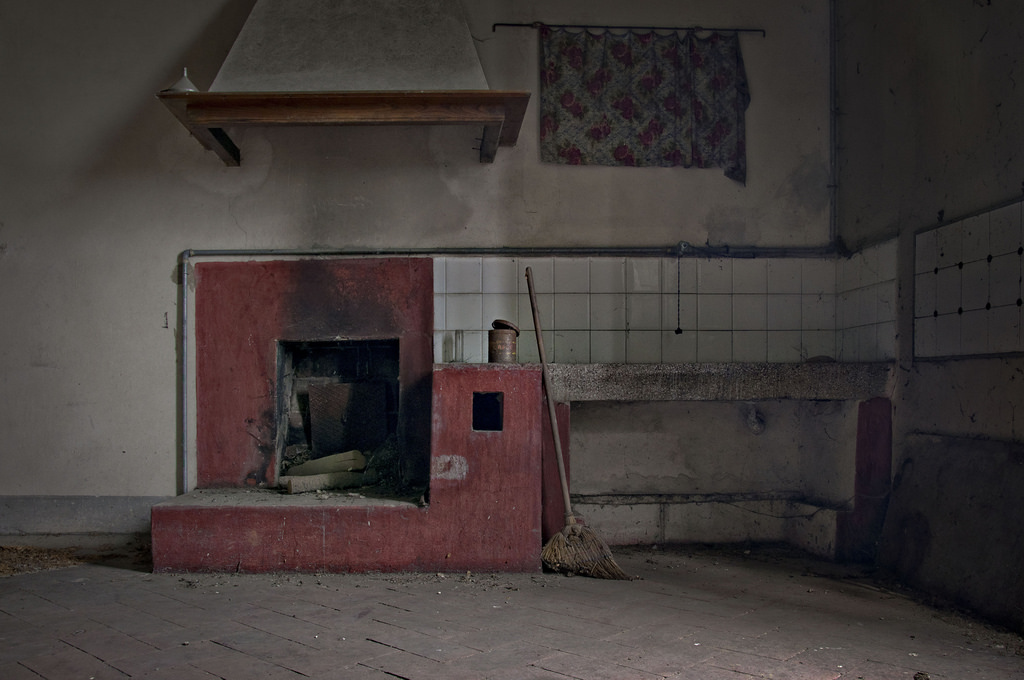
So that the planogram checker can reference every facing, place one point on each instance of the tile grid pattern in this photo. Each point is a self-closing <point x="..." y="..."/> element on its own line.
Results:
<point x="714" y="615"/>
<point x="967" y="285"/>
<point x="668" y="310"/>
<point x="866" y="304"/>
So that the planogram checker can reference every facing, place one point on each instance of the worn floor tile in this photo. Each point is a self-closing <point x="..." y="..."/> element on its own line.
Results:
<point x="71" y="663"/>
<point x="401" y="664"/>
<point x="177" y="673"/>
<point x="711" y="615"/>
<point x="232" y="665"/>
<point x="572" y="665"/>
<point x="419" y="644"/>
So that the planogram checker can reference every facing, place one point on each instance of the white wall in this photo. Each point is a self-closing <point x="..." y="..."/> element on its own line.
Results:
<point x="786" y="197"/>
<point x="101" y="189"/>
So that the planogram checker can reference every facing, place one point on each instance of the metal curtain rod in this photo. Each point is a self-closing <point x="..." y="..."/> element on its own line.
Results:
<point x="538" y="24"/>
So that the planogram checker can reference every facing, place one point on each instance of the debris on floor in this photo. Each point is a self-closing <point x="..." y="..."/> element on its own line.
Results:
<point x="24" y="559"/>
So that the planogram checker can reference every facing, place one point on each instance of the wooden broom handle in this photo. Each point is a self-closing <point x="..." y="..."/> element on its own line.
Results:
<point x="556" y="434"/>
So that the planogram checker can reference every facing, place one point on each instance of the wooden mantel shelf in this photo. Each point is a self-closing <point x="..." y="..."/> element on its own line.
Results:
<point x="207" y="114"/>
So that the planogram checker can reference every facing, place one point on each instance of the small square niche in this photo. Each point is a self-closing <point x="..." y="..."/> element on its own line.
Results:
<point x="488" y="410"/>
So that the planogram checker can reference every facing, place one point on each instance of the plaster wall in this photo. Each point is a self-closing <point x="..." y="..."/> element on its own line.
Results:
<point x="977" y="397"/>
<point x="928" y="102"/>
<point x="953" y="524"/>
<point x="101" y="189"/>
<point x="928" y="134"/>
<point x="785" y="447"/>
<point x="692" y="471"/>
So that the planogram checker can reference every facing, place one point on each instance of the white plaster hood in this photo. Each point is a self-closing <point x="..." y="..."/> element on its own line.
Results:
<point x="350" y="62"/>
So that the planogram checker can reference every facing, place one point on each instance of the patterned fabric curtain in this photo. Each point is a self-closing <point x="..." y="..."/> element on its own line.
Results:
<point x="643" y="99"/>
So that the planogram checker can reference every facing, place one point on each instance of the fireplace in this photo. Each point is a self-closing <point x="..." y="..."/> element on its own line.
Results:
<point x="342" y="395"/>
<point x="304" y="357"/>
<point x="268" y="332"/>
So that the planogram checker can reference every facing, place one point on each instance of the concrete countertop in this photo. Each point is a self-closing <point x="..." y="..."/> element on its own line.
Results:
<point x="719" y="382"/>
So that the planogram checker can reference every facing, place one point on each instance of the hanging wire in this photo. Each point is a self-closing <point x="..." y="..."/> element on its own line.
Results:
<point x="538" y="24"/>
<point x="680" y="249"/>
<point x="679" y="295"/>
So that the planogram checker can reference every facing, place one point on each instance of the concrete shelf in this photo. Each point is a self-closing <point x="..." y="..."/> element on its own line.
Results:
<point x="720" y="382"/>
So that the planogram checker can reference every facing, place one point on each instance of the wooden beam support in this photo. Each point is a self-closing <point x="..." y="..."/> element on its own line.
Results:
<point x="489" y="142"/>
<point x="206" y="114"/>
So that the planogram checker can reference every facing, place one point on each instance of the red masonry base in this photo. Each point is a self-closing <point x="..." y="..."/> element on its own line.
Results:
<point x="484" y="511"/>
<point x="858" y="531"/>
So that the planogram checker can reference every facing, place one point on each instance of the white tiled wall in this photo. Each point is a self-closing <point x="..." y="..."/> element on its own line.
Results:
<point x="667" y="310"/>
<point x="968" y="299"/>
<point x="866" y="304"/>
<point x="967" y="286"/>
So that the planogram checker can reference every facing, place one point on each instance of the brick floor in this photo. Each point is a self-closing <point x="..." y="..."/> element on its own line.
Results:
<point x="707" y="614"/>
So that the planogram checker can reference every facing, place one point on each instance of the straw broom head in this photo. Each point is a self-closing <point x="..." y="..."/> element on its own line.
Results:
<point x="576" y="549"/>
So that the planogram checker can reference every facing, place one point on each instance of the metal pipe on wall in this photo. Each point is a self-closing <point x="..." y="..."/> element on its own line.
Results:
<point x="681" y="248"/>
<point x="183" y="263"/>
<point x="833" y="125"/>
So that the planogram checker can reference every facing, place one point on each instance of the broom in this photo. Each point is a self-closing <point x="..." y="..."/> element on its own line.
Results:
<point x="576" y="549"/>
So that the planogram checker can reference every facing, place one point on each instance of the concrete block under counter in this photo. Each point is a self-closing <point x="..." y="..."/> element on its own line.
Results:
<point x="794" y="453"/>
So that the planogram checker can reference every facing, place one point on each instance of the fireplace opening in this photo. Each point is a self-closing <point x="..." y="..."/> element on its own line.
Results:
<point x="335" y="397"/>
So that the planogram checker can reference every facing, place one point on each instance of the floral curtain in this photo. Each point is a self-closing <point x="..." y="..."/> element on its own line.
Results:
<point x="643" y="99"/>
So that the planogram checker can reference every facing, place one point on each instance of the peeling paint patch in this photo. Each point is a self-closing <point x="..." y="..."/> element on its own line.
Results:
<point x="449" y="467"/>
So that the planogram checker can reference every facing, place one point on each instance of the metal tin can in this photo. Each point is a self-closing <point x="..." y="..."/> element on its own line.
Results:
<point x="501" y="346"/>
<point x="501" y="342"/>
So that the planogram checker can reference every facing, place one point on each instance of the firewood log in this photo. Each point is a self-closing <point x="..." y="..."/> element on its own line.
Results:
<point x="348" y="461"/>
<point x="322" y="482"/>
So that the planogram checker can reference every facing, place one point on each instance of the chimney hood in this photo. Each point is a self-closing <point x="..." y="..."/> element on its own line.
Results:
<point x="349" y="62"/>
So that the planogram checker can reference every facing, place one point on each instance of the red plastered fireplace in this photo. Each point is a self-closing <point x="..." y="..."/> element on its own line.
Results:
<point x="246" y="310"/>
<point x="470" y="435"/>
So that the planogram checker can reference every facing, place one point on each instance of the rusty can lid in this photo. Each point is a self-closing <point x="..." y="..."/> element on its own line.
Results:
<point x="501" y="324"/>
